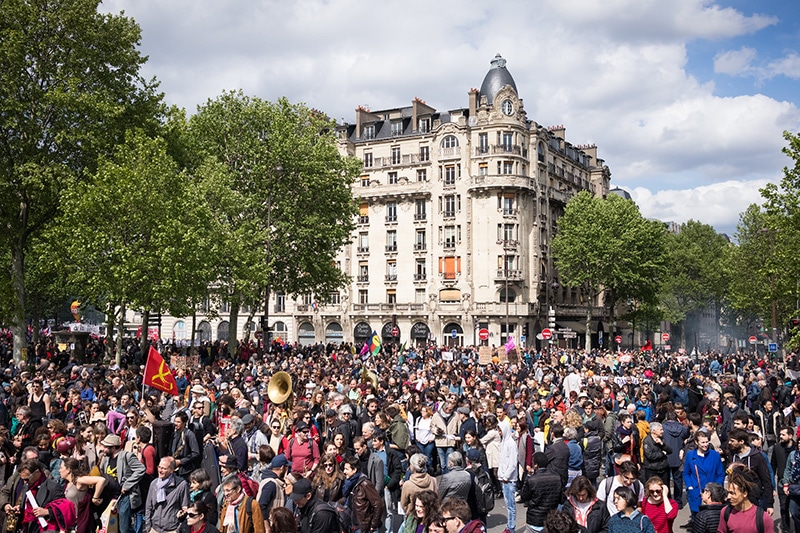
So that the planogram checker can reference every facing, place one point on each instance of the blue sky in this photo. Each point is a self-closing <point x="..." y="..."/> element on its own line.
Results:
<point x="686" y="99"/>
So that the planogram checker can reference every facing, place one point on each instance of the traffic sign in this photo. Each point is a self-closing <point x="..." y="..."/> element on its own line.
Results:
<point x="395" y="331"/>
<point x="667" y="347"/>
<point x="773" y="347"/>
<point x="665" y="337"/>
<point x="522" y="338"/>
<point x="547" y="334"/>
<point x="483" y="334"/>
<point x="618" y="339"/>
<point x="753" y="339"/>
<point x="454" y="333"/>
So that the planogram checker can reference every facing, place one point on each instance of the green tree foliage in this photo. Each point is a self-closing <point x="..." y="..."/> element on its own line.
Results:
<point x="149" y="228"/>
<point x="69" y="88"/>
<point x="282" y="197"/>
<point x="697" y="272"/>
<point x="604" y="244"/>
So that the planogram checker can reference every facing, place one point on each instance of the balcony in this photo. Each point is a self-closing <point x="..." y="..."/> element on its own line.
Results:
<point x="420" y="277"/>
<point x="362" y="249"/>
<point x="391" y="219"/>
<point x="508" y="244"/>
<point x="420" y="217"/>
<point x="448" y="214"/>
<point x="303" y="308"/>
<point x="510" y="212"/>
<point x="391" y="248"/>
<point x="448" y="276"/>
<point x="391" y="277"/>
<point x="514" y="149"/>
<point x="481" y="150"/>
<point x="510" y="181"/>
<point x="450" y="153"/>
<point x="510" y="275"/>
<point x="363" y="278"/>
<point x="499" y="308"/>
<point x="363" y="219"/>
<point x="449" y="245"/>
<point x="420" y="247"/>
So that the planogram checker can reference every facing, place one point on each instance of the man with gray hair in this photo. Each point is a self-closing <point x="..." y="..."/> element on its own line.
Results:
<point x="656" y="454"/>
<point x="234" y="444"/>
<point x="457" y="481"/>
<point x="367" y="431"/>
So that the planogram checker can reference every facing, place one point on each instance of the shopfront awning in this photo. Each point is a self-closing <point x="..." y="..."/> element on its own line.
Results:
<point x="577" y="327"/>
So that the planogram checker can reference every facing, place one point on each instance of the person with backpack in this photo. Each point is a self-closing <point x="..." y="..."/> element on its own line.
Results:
<point x="240" y="513"/>
<point x="627" y="518"/>
<point x="271" y="490"/>
<point x="481" y="494"/>
<point x="315" y="516"/>
<point x="302" y="452"/>
<point x="628" y="476"/>
<point x="166" y="499"/>
<point x="741" y="515"/>
<point x="361" y="498"/>
<point x="743" y="455"/>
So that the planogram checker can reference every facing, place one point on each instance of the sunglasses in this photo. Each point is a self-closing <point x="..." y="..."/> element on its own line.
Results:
<point x="328" y="465"/>
<point x="655" y="492"/>
<point x="192" y="515"/>
<point x="276" y="427"/>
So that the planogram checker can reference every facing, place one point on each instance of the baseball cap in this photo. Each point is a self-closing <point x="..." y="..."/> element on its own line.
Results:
<point x="279" y="461"/>
<point x="300" y="489"/>
<point x="474" y="455"/>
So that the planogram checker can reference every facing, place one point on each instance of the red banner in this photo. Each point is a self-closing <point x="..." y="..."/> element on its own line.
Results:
<point x="158" y="375"/>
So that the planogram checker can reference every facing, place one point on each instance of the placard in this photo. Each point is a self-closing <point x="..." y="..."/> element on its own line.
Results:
<point x="512" y="356"/>
<point x="485" y="355"/>
<point x="501" y="354"/>
<point x="447" y="356"/>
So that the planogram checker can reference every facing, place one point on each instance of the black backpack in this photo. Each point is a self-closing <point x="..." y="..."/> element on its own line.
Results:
<point x="344" y="517"/>
<point x="484" y="491"/>
<point x="759" y="517"/>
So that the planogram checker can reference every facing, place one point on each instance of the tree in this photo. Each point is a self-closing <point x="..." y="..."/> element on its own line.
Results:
<point x="282" y="197"/>
<point x="604" y="244"/>
<point x="698" y="276"/>
<point x="69" y="88"/>
<point x="148" y="225"/>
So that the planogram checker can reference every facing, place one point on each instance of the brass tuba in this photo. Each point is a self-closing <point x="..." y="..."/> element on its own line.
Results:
<point x="371" y="377"/>
<point x="280" y="390"/>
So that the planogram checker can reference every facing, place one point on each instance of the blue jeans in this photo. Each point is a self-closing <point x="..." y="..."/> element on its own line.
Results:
<point x="427" y="449"/>
<point x="509" y="490"/>
<point x="444" y="453"/>
<point x="124" y="513"/>
<point x="391" y="510"/>
<point x="138" y="521"/>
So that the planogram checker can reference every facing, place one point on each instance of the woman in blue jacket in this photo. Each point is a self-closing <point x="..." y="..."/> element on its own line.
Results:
<point x="701" y="466"/>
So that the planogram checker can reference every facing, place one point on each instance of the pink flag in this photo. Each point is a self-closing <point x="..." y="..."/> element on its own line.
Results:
<point x="510" y="344"/>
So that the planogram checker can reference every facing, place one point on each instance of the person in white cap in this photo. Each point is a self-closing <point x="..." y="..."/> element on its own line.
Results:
<point x="127" y="470"/>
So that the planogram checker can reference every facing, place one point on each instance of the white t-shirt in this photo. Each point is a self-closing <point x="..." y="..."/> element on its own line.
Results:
<point x="603" y="495"/>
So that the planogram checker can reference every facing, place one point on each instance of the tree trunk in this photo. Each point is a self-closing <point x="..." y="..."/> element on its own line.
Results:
<point x="18" y="286"/>
<point x="247" y="331"/>
<point x="192" y="349"/>
<point x="111" y="322"/>
<point x="121" y="333"/>
<point x="145" y="337"/>
<point x="589" y="304"/>
<point x="233" y="324"/>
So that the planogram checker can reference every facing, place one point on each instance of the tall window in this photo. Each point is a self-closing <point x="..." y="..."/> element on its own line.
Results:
<point x="422" y="174"/>
<point x="424" y="153"/>
<point x="368" y="159"/>
<point x="397" y="127"/>
<point x="449" y="267"/>
<point x="508" y="141"/>
<point x="363" y="271"/>
<point x="363" y="299"/>
<point x="391" y="271"/>
<point x="483" y="143"/>
<point x="419" y="209"/>
<point x="483" y="169"/>
<point x="506" y="203"/>
<point x="449" y="236"/>
<point x="280" y="302"/>
<point x="424" y="125"/>
<point x="450" y="142"/>
<point x="419" y="296"/>
<point x="392" y="178"/>
<point x="369" y="132"/>
<point x="395" y="155"/>
<point x="391" y="211"/>
<point x="450" y="175"/>
<point x="363" y="241"/>
<point x="420" y="240"/>
<point x="391" y="241"/>
<point x="420" y="272"/>
<point x="391" y="296"/>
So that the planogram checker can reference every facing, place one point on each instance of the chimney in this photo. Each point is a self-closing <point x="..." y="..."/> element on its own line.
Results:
<point x="473" y="102"/>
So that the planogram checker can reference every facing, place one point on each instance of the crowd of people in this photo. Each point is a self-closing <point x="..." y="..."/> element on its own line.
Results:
<point x="400" y="441"/>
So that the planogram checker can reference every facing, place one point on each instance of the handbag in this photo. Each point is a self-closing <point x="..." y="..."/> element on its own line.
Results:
<point x="109" y="520"/>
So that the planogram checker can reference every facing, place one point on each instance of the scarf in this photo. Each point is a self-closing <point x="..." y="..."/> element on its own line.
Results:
<point x="581" y="510"/>
<point x="229" y="522"/>
<point x="349" y="484"/>
<point x="194" y="494"/>
<point x="161" y="485"/>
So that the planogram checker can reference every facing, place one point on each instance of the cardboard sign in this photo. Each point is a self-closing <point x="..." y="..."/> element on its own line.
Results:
<point x="485" y="355"/>
<point x="501" y="354"/>
<point x="447" y="356"/>
<point x="512" y="356"/>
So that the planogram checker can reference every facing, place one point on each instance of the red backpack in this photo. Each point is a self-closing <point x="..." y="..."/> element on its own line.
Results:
<point x="249" y="485"/>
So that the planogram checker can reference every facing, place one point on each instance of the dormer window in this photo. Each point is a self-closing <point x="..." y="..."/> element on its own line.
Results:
<point x="424" y="125"/>
<point x="397" y="127"/>
<point x="369" y="131"/>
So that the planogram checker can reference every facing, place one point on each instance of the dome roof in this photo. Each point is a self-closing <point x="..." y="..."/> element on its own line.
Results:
<point x="497" y="78"/>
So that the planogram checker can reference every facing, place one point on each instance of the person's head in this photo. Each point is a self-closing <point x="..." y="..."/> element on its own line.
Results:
<point x="625" y="420"/>
<point x="455" y="460"/>
<point x="557" y="431"/>
<point x="378" y="440"/>
<point x="756" y="441"/>
<point x="338" y="440"/>
<point x="628" y="473"/>
<point x="713" y="493"/>
<point x="301" y="431"/>
<point x="582" y="489"/>
<point x="740" y="421"/>
<point x="786" y="435"/>
<point x="166" y="466"/>
<point x="197" y="514"/>
<point x="328" y="464"/>
<point x="30" y="470"/>
<point x="418" y="463"/>
<point x="540" y="460"/>
<point x="656" y="429"/>
<point x="181" y="418"/>
<point x="654" y="488"/>
<point x="237" y="426"/>
<point x="570" y="433"/>
<point x="738" y="440"/>
<point x="232" y="488"/>
<point x="560" y="522"/>
<point x="350" y="466"/>
<point x="301" y="492"/>
<point x="738" y="488"/>
<point x="426" y="504"/>
<point x="70" y="469"/>
<point x="23" y="413"/>
<point x="367" y="430"/>
<point x="199" y="480"/>
<point x="624" y="499"/>
<point x="282" y="520"/>
<point x="455" y="514"/>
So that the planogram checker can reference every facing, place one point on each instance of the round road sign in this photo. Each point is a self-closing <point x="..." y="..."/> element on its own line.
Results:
<point x="483" y="334"/>
<point x="618" y="339"/>
<point x="395" y="331"/>
<point x="753" y="339"/>
<point x="665" y="337"/>
<point x="547" y="334"/>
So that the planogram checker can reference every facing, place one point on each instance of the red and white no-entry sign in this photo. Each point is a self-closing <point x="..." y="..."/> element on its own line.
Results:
<point x="618" y="339"/>
<point x="753" y="339"/>
<point x="665" y="337"/>
<point x="547" y="334"/>
<point x="483" y="334"/>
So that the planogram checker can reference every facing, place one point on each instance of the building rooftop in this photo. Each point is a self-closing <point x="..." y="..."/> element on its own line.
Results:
<point x="497" y="78"/>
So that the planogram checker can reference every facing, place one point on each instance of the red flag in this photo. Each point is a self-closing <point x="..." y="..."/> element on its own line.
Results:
<point x="648" y="346"/>
<point x="158" y="375"/>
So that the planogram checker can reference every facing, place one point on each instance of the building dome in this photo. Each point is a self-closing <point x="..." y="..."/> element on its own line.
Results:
<point x="497" y="78"/>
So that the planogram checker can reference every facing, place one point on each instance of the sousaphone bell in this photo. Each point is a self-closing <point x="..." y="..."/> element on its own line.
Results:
<point x="279" y="389"/>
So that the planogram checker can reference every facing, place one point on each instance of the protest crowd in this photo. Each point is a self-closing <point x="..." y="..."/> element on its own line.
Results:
<point x="340" y="439"/>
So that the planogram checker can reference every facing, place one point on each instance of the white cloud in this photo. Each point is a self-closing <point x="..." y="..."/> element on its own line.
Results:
<point x="718" y="204"/>
<point x="788" y="66"/>
<point x="735" y="62"/>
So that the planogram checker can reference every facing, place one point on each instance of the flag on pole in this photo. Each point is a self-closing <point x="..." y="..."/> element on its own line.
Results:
<point x="403" y="347"/>
<point x="510" y="344"/>
<point x="364" y="349"/>
<point x="374" y="344"/>
<point x="158" y="375"/>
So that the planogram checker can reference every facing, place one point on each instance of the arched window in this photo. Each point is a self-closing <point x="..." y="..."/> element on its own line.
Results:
<point x="179" y="331"/>
<point x="451" y="141"/>
<point x="305" y="334"/>
<point x="511" y="295"/>
<point x="222" y="331"/>
<point x="204" y="331"/>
